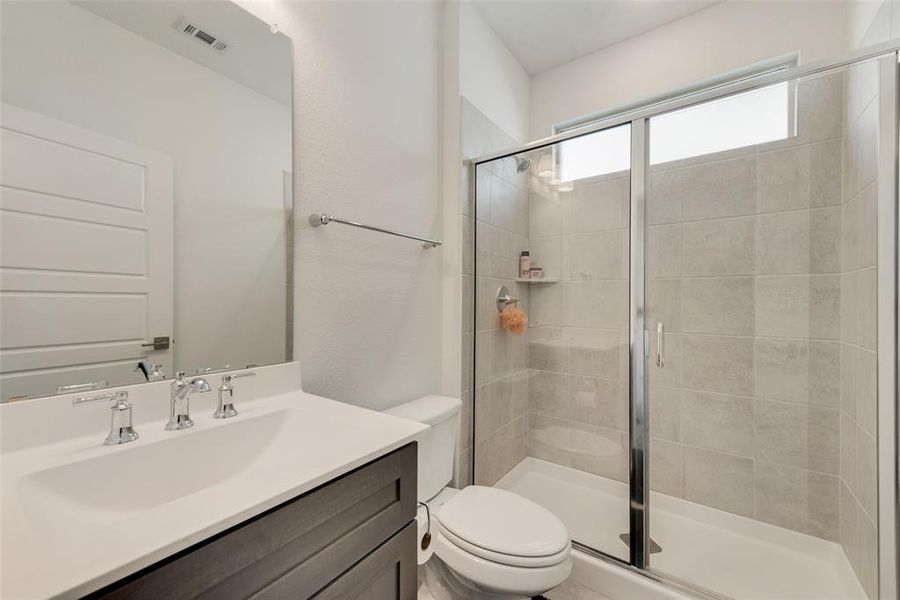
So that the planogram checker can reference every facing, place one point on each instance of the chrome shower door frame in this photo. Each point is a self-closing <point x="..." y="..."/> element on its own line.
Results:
<point x="638" y="421"/>
<point x="888" y="472"/>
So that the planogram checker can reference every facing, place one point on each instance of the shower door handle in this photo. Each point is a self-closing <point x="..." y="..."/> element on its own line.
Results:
<point x="660" y="345"/>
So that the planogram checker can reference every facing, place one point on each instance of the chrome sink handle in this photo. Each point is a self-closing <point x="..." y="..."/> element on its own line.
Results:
<point x="179" y="405"/>
<point x="120" y="427"/>
<point x="226" y="409"/>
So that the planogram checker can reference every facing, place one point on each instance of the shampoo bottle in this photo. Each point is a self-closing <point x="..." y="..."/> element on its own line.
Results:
<point x="524" y="264"/>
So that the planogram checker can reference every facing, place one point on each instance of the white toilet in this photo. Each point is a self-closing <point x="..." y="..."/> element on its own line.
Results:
<point x="488" y="543"/>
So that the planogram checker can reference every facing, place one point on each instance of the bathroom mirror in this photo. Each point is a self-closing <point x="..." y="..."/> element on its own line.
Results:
<point x="145" y="193"/>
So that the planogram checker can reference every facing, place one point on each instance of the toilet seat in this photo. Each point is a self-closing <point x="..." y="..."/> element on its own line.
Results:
<point x="503" y="528"/>
<point x="499" y="543"/>
<point x="511" y="560"/>
<point x="488" y="576"/>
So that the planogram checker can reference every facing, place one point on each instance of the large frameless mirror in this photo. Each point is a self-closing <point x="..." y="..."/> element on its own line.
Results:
<point x="146" y="202"/>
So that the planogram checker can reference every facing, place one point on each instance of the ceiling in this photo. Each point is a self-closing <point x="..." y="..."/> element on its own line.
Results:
<point x="545" y="34"/>
<point x="255" y="57"/>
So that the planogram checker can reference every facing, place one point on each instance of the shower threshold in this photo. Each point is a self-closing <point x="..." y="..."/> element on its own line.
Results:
<point x="732" y="555"/>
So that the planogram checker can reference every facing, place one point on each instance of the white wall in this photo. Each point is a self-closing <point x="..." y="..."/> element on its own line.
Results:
<point x="872" y="21"/>
<point x="367" y="147"/>
<point x="454" y="191"/>
<point x="229" y="145"/>
<point x="490" y="77"/>
<point x="724" y="37"/>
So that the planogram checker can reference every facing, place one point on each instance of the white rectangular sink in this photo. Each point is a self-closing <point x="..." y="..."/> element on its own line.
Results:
<point x="141" y="477"/>
<point x="98" y="513"/>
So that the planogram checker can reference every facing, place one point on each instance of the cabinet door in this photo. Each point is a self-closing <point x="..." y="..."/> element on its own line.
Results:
<point x="389" y="573"/>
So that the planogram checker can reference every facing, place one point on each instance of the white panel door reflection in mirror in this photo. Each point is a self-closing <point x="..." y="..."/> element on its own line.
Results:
<point x="86" y="267"/>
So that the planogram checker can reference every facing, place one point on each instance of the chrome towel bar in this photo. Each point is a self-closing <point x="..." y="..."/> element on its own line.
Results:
<point x="317" y="219"/>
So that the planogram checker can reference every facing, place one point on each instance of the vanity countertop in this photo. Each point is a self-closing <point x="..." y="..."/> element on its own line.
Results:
<point x="77" y="515"/>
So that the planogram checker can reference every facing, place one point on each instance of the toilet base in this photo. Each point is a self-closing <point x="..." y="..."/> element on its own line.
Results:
<point x="437" y="581"/>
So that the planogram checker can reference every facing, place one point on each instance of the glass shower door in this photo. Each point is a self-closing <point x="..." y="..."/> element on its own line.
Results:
<point x="760" y="309"/>
<point x="567" y="205"/>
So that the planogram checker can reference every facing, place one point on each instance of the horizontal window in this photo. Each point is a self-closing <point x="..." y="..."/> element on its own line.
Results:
<point x="746" y="119"/>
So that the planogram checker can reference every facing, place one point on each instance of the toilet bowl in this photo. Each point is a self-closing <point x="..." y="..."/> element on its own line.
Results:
<point x="488" y="543"/>
<point x="498" y="544"/>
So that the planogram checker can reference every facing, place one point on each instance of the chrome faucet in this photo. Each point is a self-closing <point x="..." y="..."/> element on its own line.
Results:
<point x="150" y="372"/>
<point x="179" y="408"/>
<point x="225" y="408"/>
<point x="120" y="429"/>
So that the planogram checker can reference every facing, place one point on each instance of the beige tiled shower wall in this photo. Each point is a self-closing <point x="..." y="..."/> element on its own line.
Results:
<point x="745" y="270"/>
<point x="744" y="261"/>
<point x="578" y="343"/>
<point x="858" y="412"/>
<point x="497" y="392"/>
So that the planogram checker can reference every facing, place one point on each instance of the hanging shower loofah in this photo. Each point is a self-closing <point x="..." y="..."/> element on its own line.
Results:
<point x="514" y="320"/>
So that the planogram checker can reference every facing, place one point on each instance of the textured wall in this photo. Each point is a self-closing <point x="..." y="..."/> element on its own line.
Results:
<point x="490" y="78"/>
<point x="366" y="147"/>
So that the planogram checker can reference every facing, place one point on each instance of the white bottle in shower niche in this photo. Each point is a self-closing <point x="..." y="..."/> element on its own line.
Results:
<point x="524" y="264"/>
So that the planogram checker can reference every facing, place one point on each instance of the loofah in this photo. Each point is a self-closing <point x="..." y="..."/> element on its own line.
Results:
<point x="514" y="320"/>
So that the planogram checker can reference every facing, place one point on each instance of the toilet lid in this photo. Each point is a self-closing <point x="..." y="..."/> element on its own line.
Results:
<point x="502" y="522"/>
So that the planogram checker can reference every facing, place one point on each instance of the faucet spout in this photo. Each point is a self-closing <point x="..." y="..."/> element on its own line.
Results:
<point x="179" y="407"/>
<point x="149" y="372"/>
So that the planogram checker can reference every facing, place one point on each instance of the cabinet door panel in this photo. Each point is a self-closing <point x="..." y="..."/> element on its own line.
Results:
<point x="389" y="573"/>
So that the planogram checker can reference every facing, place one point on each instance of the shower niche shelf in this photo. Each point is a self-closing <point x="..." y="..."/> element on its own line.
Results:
<point x="537" y="280"/>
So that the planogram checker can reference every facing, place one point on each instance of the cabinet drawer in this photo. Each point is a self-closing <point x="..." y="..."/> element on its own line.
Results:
<point x="388" y="573"/>
<point x="316" y="537"/>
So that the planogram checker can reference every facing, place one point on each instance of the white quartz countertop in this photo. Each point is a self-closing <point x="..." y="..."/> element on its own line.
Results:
<point x="77" y="515"/>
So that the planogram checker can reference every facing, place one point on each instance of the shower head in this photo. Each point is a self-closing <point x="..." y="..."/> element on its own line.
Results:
<point x="522" y="164"/>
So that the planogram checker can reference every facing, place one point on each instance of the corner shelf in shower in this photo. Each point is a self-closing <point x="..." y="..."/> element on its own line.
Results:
<point x="536" y="280"/>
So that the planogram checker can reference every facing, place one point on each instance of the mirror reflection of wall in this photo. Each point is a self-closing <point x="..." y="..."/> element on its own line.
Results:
<point x="145" y="191"/>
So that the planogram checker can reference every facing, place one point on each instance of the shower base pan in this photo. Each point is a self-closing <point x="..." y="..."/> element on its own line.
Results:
<point x="731" y="555"/>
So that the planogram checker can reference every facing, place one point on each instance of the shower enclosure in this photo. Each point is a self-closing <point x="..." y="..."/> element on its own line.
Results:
<point x="706" y="390"/>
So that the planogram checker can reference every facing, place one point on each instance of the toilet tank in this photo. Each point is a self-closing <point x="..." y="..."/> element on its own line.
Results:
<point x="437" y="444"/>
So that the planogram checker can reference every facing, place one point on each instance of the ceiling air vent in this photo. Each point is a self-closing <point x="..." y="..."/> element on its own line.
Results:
<point x="206" y="38"/>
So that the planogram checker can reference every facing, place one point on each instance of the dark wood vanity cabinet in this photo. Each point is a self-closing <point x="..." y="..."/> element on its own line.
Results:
<point x="354" y="537"/>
